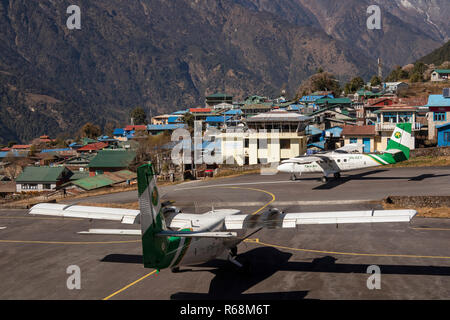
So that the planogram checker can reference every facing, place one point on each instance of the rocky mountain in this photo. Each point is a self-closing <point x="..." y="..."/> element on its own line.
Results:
<point x="438" y="56"/>
<point x="166" y="55"/>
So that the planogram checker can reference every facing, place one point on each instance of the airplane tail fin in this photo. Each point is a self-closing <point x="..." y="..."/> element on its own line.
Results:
<point x="401" y="142"/>
<point x="158" y="251"/>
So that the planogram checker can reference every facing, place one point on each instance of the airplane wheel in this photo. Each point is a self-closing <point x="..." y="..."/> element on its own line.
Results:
<point x="233" y="251"/>
<point x="324" y="179"/>
<point x="337" y="175"/>
<point x="293" y="177"/>
<point x="176" y="269"/>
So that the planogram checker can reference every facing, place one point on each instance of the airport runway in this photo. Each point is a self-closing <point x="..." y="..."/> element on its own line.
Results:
<point x="311" y="262"/>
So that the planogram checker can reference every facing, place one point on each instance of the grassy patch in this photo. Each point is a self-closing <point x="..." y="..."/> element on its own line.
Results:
<point x="426" y="212"/>
<point x="423" y="161"/>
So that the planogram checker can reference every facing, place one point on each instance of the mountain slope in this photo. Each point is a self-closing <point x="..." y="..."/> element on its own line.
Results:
<point x="167" y="55"/>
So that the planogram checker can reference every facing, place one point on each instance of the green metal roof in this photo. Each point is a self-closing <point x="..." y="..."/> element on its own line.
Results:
<point x="41" y="174"/>
<point x="112" y="159"/>
<point x="334" y="101"/>
<point x="442" y="70"/>
<point x="103" y="180"/>
<point x="77" y="175"/>
<point x="219" y="95"/>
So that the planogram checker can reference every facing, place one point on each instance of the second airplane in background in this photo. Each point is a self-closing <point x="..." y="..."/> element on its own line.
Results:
<point x="335" y="162"/>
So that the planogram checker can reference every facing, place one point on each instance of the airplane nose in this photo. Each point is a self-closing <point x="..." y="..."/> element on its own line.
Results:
<point x="285" y="167"/>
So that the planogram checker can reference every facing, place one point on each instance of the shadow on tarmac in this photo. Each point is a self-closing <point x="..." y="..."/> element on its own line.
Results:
<point x="230" y="283"/>
<point x="332" y="183"/>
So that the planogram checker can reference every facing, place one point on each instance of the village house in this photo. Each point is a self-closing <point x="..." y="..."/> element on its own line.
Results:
<point x="439" y="112"/>
<point x="42" y="178"/>
<point x="218" y="98"/>
<point x="440" y="75"/>
<point x="259" y="145"/>
<point x="395" y="87"/>
<point x="388" y="117"/>
<point x="365" y="135"/>
<point x="111" y="161"/>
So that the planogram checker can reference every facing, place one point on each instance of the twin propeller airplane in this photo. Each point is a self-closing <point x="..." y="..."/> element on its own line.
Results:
<point x="341" y="160"/>
<point x="171" y="239"/>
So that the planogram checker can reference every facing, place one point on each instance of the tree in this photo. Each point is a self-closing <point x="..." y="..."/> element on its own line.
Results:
<point x="90" y="130"/>
<point x="188" y="119"/>
<point x="354" y="85"/>
<point x="416" y="77"/>
<point x="138" y="115"/>
<point x="375" y="81"/>
<point x="324" y="81"/>
<point x="397" y="74"/>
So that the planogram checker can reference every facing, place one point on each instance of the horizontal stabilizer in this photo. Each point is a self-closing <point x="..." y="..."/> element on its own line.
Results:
<point x="120" y="232"/>
<point x="193" y="234"/>
<point x="127" y="216"/>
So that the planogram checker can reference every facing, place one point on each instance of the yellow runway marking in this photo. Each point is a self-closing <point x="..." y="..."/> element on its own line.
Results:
<point x="432" y="229"/>
<point x="256" y="241"/>
<point x="66" y="242"/>
<point x="263" y="207"/>
<point x="129" y="285"/>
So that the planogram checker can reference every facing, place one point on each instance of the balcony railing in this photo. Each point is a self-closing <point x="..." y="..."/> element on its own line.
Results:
<point x="387" y="126"/>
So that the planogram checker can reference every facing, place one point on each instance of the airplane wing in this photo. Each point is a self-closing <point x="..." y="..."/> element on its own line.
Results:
<point x="303" y="160"/>
<point x="352" y="147"/>
<point x="274" y="219"/>
<point x="127" y="216"/>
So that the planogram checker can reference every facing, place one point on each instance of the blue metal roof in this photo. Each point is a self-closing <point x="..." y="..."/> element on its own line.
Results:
<point x="314" y="98"/>
<point x="55" y="150"/>
<point x="313" y="130"/>
<point x="438" y="100"/>
<point x="217" y="119"/>
<point x="336" y="131"/>
<point x="233" y="112"/>
<point x="174" y="119"/>
<point x="118" y="132"/>
<point x="152" y="127"/>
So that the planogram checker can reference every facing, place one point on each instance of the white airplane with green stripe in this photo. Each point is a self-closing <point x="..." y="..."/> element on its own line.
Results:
<point x="171" y="238"/>
<point x="338" y="161"/>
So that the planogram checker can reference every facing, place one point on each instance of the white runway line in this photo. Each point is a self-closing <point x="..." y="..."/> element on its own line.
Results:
<point x="237" y="184"/>
<point x="280" y="203"/>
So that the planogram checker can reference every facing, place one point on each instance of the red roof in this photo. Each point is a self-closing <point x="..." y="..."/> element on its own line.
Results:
<point x="358" y="130"/>
<point x="5" y="149"/>
<point x="93" y="146"/>
<point x="136" y="128"/>
<point x="21" y="146"/>
<point x="200" y="110"/>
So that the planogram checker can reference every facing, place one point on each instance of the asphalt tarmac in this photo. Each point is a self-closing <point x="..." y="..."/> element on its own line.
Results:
<point x="310" y="262"/>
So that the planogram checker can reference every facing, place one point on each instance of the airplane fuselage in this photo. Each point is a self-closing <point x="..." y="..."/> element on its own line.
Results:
<point x="332" y="163"/>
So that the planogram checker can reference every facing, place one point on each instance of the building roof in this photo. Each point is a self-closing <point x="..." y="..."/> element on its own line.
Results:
<point x="117" y="158"/>
<point x="278" y="116"/>
<point x="335" y="131"/>
<point x="233" y="112"/>
<point x="157" y="127"/>
<point x="442" y="70"/>
<point x="135" y="127"/>
<point x="358" y="130"/>
<point x="438" y="100"/>
<point x="103" y="180"/>
<point x="334" y="101"/>
<point x="312" y="130"/>
<point x="396" y="107"/>
<point x="218" y="118"/>
<point x="219" y="96"/>
<point x="93" y="146"/>
<point x="174" y="119"/>
<point x="442" y="126"/>
<point x="21" y="146"/>
<point x="55" y="150"/>
<point x="259" y="106"/>
<point x="197" y="110"/>
<point x="41" y="174"/>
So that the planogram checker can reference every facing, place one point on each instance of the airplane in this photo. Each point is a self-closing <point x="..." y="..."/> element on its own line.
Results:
<point x="171" y="239"/>
<point x="341" y="160"/>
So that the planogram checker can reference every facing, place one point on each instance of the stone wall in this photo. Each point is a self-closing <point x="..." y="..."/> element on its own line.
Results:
<point x="435" y="152"/>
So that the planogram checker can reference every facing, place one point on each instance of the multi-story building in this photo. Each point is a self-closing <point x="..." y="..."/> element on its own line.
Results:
<point x="439" y="112"/>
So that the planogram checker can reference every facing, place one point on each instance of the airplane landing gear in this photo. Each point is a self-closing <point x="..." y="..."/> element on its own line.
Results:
<point x="293" y="177"/>
<point x="324" y="179"/>
<point x="175" y="270"/>
<point x="337" y="175"/>
<point x="243" y="267"/>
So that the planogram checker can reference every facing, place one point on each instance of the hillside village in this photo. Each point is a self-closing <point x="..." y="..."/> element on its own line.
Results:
<point x="312" y="122"/>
